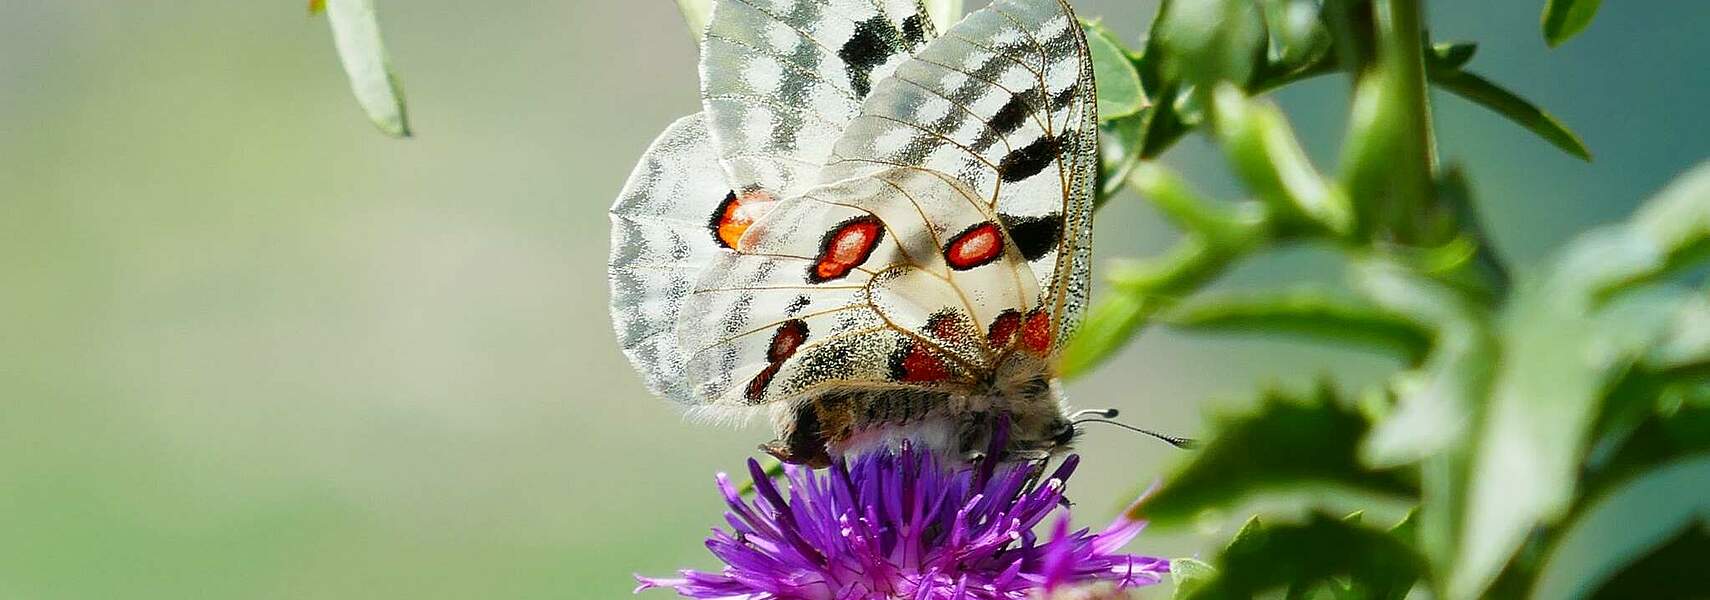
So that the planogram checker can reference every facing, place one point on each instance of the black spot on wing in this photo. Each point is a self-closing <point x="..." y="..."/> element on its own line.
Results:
<point x="1028" y="161"/>
<point x="872" y="44"/>
<point x="1063" y="98"/>
<point x="1034" y="237"/>
<point x="914" y="30"/>
<point x="1009" y="118"/>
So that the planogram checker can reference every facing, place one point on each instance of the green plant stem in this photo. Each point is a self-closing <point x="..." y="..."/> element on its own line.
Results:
<point x="1401" y="34"/>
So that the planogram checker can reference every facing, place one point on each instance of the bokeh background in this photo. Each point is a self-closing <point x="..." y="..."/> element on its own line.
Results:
<point x="251" y="348"/>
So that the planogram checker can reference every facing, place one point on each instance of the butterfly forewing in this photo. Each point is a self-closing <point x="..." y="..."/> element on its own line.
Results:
<point x="949" y="230"/>
<point x="781" y="79"/>
<point x="1003" y="102"/>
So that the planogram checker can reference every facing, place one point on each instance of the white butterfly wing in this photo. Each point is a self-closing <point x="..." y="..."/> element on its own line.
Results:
<point x="780" y="79"/>
<point x="951" y="229"/>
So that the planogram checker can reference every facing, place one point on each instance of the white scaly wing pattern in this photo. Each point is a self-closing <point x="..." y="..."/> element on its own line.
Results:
<point x="780" y="81"/>
<point x="952" y="228"/>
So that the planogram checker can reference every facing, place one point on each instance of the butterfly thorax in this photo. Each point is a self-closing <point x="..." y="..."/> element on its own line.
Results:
<point x="851" y="421"/>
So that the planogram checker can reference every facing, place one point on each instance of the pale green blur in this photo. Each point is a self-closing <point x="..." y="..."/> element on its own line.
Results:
<point x="251" y="348"/>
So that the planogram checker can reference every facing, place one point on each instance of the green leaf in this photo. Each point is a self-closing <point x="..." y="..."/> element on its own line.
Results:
<point x="1119" y="92"/>
<point x="1436" y="400"/>
<point x="1297" y="34"/>
<point x="1565" y="347"/>
<point x="1364" y="562"/>
<point x="1107" y="327"/>
<point x="1120" y="142"/>
<point x="1618" y="528"/>
<point x="696" y="14"/>
<point x="1489" y="95"/>
<point x="1452" y="55"/>
<point x="1210" y="41"/>
<point x="1269" y="160"/>
<point x="356" y="34"/>
<point x="1283" y="446"/>
<point x="1304" y="312"/>
<point x="944" y="13"/>
<point x="1189" y="575"/>
<point x="1564" y="19"/>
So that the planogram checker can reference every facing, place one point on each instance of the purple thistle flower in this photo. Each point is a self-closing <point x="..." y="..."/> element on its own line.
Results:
<point x="906" y="525"/>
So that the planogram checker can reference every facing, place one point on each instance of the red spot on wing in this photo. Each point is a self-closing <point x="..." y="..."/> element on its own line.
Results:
<point x="846" y="247"/>
<point x="1036" y="332"/>
<point x="735" y="214"/>
<point x="789" y="336"/>
<point x="785" y="341"/>
<point x="914" y="363"/>
<point x="978" y="245"/>
<point x="1003" y="328"/>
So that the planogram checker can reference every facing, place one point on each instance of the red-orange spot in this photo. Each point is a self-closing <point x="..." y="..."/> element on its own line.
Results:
<point x="913" y="363"/>
<point x="978" y="245"/>
<point x="846" y="247"/>
<point x="757" y="386"/>
<point x="1036" y="332"/>
<point x="1003" y="328"/>
<point x="943" y="325"/>
<point x="789" y="336"/>
<point x="736" y="213"/>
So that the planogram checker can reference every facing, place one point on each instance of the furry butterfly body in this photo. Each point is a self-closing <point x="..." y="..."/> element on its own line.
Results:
<point x="872" y="231"/>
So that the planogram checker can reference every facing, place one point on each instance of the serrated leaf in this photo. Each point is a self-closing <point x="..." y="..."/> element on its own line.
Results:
<point x="1119" y="91"/>
<point x="1364" y="562"/>
<point x="1617" y="529"/>
<point x="1189" y="575"/>
<point x="1484" y="93"/>
<point x="1436" y="400"/>
<point x="944" y="13"/>
<point x="1284" y="445"/>
<point x="1563" y="19"/>
<point x="696" y="14"/>
<point x="1303" y="312"/>
<point x="1567" y="339"/>
<point x="356" y="34"/>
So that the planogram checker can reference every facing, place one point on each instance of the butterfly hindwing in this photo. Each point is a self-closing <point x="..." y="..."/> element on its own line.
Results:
<point x="661" y="241"/>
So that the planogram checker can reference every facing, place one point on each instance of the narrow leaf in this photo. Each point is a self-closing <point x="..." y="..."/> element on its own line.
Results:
<point x="1107" y="328"/>
<point x="1304" y="312"/>
<point x="1285" y="445"/>
<point x="696" y="14"/>
<point x="1616" y="530"/>
<point x="1489" y="95"/>
<point x="1564" y="19"/>
<point x="1436" y="400"/>
<point x="1119" y="92"/>
<point x="356" y="34"/>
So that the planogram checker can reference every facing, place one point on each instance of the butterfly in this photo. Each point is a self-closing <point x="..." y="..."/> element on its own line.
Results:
<point x="873" y="231"/>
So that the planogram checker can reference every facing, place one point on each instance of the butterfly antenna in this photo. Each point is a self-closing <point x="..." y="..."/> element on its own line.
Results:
<point x="1103" y="416"/>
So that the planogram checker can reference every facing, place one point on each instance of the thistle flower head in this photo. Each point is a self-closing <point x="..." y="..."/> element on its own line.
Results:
<point x="904" y="524"/>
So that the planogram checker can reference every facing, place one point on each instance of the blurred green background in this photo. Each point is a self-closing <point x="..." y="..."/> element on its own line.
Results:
<point x="251" y="348"/>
